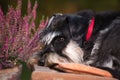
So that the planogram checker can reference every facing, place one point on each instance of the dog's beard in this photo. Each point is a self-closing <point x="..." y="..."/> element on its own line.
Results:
<point x="73" y="53"/>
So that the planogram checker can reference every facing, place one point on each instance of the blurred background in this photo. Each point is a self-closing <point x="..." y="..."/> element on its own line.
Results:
<point x="49" y="7"/>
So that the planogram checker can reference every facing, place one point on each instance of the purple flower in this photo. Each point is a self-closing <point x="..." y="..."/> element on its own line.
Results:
<point x="18" y="34"/>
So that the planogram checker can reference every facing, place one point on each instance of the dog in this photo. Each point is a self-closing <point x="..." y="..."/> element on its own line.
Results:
<point x="85" y="37"/>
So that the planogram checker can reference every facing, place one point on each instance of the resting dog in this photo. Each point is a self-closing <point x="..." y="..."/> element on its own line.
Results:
<point x="84" y="37"/>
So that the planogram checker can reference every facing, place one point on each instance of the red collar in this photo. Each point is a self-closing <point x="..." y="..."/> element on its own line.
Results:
<point x="90" y="29"/>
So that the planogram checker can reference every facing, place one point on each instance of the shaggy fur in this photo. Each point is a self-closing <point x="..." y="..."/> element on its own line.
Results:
<point x="65" y="40"/>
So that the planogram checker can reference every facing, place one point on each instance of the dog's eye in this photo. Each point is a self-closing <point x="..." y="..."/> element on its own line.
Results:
<point x="59" y="39"/>
<point x="59" y="43"/>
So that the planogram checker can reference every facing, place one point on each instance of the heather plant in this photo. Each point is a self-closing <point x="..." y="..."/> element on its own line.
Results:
<point x="19" y="36"/>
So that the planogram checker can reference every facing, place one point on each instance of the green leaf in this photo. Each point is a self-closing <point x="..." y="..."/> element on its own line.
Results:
<point x="26" y="72"/>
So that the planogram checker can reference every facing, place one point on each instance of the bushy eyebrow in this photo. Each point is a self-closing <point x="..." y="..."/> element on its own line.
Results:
<point x="49" y="37"/>
<point x="50" y="21"/>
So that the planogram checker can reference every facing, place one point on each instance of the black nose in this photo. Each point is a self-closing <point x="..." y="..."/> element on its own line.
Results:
<point x="41" y="62"/>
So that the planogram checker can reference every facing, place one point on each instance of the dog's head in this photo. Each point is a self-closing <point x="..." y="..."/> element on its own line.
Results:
<point x="64" y="36"/>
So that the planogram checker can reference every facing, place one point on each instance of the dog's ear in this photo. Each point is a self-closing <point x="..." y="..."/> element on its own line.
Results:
<point x="77" y="28"/>
<point x="90" y="17"/>
<point x="58" y="20"/>
<point x="86" y="13"/>
<point x="79" y="25"/>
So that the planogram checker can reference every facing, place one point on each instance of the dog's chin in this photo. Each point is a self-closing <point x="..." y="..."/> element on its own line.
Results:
<point x="54" y="58"/>
<point x="73" y="53"/>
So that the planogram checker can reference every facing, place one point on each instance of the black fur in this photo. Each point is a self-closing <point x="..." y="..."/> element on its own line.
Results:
<point x="74" y="27"/>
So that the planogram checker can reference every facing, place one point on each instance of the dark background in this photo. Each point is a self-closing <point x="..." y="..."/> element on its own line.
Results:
<point x="49" y="7"/>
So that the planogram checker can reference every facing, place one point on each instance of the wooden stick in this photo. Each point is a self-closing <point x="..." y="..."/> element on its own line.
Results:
<point x="74" y="67"/>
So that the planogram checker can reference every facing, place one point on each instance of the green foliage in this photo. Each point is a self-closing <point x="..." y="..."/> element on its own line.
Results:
<point x="26" y="72"/>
